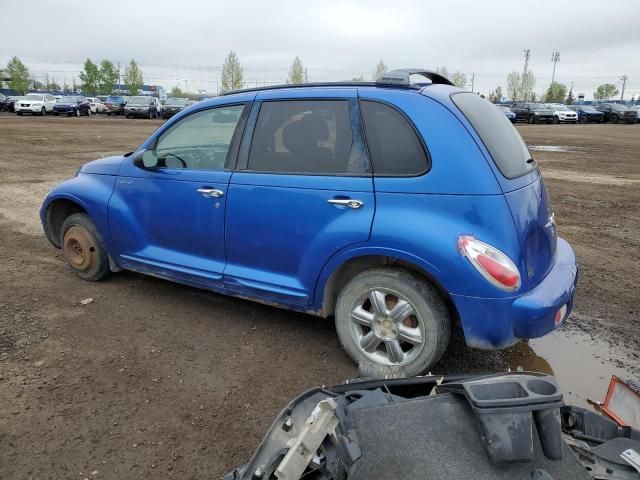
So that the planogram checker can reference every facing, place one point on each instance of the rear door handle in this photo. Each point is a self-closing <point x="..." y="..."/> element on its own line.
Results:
<point x="346" y="202"/>
<point x="211" y="192"/>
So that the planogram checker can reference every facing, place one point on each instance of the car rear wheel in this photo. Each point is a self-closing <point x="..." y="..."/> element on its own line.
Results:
<point x="392" y="323"/>
<point x="83" y="248"/>
<point x="531" y="119"/>
<point x="556" y="120"/>
<point x="77" y="112"/>
<point x="614" y="119"/>
<point x="584" y="119"/>
<point x="43" y="112"/>
<point x="89" y="112"/>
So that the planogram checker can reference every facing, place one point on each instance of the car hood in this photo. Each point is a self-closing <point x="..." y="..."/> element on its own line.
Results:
<point x="65" y="104"/>
<point x="103" y="166"/>
<point x="30" y="101"/>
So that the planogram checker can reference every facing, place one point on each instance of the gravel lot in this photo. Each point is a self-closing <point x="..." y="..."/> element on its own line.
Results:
<point x="157" y="380"/>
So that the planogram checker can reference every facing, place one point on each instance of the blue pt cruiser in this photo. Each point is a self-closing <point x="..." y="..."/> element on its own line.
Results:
<point x="401" y="209"/>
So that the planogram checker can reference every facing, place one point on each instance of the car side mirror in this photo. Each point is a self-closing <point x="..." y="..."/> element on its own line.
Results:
<point x="146" y="159"/>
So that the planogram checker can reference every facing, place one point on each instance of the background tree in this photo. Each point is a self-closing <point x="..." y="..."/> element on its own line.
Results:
<point x="514" y="82"/>
<point x="459" y="79"/>
<point x="18" y="74"/>
<point x="231" y="73"/>
<point x="108" y="77"/>
<point x="605" y="92"/>
<point x="528" y="83"/>
<point x="496" y="95"/>
<point x="65" y="87"/>
<point x="569" y="100"/>
<point x="176" y="92"/>
<point x="133" y="77"/>
<point x="443" y="71"/>
<point x="90" y="77"/>
<point x="53" y="86"/>
<point x="296" y="72"/>
<point x="556" y="93"/>
<point x="74" y="87"/>
<point x="381" y="69"/>
<point x="359" y="78"/>
<point x="39" y="85"/>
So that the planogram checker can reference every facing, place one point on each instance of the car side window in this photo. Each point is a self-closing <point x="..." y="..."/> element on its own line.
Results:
<point x="394" y="146"/>
<point x="305" y="136"/>
<point x="199" y="141"/>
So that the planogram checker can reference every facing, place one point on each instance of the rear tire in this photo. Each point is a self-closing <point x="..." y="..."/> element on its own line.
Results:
<point x="43" y="112"/>
<point x="392" y="323"/>
<point x="556" y="120"/>
<point x="613" y="119"/>
<point x="83" y="248"/>
<point x="584" y="120"/>
<point x="531" y="119"/>
<point x="77" y="112"/>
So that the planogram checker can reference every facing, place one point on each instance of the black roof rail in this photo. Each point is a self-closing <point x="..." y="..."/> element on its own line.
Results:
<point x="319" y="84"/>
<point x="401" y="77"/>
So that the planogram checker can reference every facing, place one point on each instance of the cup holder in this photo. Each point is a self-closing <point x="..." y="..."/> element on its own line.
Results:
<point x="542" y="387"/>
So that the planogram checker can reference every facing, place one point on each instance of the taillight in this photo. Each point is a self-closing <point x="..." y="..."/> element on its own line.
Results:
<point x="492" y="264"/>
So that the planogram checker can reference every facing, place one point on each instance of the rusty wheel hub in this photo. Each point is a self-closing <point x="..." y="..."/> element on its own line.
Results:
<point x="79" y="249"/>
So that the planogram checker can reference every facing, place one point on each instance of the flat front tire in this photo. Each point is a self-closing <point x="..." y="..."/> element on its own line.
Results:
<point x="83" y="248"/>
<point x="392" y="322"/>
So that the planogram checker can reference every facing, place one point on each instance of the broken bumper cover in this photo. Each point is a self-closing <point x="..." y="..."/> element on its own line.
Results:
<point x="493" y="323"/>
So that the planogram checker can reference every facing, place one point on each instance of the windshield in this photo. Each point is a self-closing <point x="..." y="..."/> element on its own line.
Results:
<point x="68" y="100"/>
<point x="504" y="109"/>
<point x="33" y="96"/>
<point x="538" y="106"/>
<point x="139" y="100"/>
<point x="114" y="99"/>
<point x="560" y="107"/>
<point x="500" y="137"/>
<point x="619" y="107"/>
<point x="176" y="101"/>
<point x="587" y="108"/>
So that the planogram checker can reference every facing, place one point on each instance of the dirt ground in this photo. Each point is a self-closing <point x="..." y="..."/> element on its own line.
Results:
<point x="157" y="380"/>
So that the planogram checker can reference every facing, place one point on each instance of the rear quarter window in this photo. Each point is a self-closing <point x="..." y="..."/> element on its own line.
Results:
<point x="500" y="137"/>
<point x="394" y="146"/>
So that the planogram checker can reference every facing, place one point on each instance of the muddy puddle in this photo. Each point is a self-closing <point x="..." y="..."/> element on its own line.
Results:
<point x="583" y="366"/>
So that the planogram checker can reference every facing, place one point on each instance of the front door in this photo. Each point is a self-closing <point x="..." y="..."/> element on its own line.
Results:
<point x="168" y="217"/>
<point x="304" y="191"/>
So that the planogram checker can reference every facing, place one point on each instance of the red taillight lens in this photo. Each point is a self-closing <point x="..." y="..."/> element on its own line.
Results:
<point x="492" y="264"/>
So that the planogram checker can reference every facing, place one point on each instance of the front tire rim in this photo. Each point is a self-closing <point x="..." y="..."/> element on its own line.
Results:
<point x="80" y="249"/>
<point x="386" y="327"/>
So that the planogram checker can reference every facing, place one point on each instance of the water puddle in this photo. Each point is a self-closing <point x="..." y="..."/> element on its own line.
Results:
<point x="553" y="148"/>
<point x="582" y="366"/>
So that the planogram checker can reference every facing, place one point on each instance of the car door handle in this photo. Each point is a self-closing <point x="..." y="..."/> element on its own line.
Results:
<point x="346" y="202"/>
<point x="211" y="192"/>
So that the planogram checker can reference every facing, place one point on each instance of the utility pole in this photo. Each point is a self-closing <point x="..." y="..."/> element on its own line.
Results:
<point x="527" y="56"/>
<point x="119" y="86"/>
<point x="306" y="78"/>
<point x="555" y="58"/>
<point x="624" y="79"/>
<point x="473" y="80"/>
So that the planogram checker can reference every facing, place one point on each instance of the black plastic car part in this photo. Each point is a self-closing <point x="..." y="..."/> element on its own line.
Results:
<point x="506" y="406"/>
<point x="403" y="77"/>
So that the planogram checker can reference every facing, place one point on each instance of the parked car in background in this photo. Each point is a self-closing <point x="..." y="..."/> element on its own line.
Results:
<point x="96" y="105"/>
<point x="508" y="113"/>
<point x="428" y="212"/>
<point x="172" y="106"/>
<point x="533" y="112"/>
<point x="141" y="106"/>
<point x="3" y="101"/>
<point x="102" y="98"/>
<point x="114" y="104"/>
<point x="587" y="113"/>
<point x="637" y="109"/>
<point x="72" y="105"/>
<point x="616" y="112"/>
<point x="563" y="114"/>
<point x="35" y="104"/>
<point x="11" y="103"/>
<point x="159" y="107"/>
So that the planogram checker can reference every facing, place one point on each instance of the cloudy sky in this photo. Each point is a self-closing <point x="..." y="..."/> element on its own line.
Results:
<point x="185" y="42"/>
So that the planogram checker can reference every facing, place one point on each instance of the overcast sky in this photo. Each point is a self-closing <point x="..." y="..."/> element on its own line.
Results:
<point x="184" y="42"/>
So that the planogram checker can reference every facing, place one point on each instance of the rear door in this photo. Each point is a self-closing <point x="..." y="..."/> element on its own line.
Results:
<point x="302" y="192"/>
<point x="168" y="218"/>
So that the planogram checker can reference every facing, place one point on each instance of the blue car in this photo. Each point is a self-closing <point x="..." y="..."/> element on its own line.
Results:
<point x="402" y="210"/>
<point x="508" y="113"/>
<point x="71" y="105"/>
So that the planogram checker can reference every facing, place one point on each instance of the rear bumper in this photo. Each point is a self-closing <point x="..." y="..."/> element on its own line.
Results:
<point x="493" y="323"/>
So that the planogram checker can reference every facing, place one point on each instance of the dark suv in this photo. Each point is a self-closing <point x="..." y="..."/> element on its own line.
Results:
<point x="533" y="112"/>
<point x="616" y="112"/>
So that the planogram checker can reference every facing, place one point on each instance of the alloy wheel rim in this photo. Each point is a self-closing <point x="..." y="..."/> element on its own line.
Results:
<point x="386" y="327"/>
<point x="79" y="249"/>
